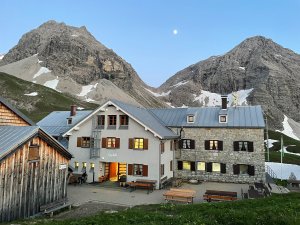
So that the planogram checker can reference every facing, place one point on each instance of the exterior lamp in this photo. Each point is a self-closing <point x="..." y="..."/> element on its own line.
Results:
<point x="92" y="166"/>
<point x="76" y="165"/>
<point x="84" y="165"/>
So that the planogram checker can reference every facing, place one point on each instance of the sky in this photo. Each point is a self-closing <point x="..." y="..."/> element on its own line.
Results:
<point x="159" y="37"/>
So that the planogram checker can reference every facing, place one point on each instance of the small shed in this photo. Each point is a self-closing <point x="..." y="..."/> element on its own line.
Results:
<point x="293" y="185"/>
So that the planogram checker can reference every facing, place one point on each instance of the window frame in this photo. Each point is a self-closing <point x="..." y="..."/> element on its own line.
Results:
<point x="111" y="140"/>
<point x="139" y="147"/>
<point x="221" y="117"/>
<point x="100" y="121"/>
<point x="124" y="121"/>
<point x="190" y="118"/>
<point x="85" y="142"/>
<point x="111" y="121"/>
<point x="140" y="168"/>
<point x="33" y="152"/>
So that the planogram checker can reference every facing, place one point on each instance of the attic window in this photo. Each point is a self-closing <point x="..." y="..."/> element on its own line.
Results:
<point x="33" y="153"/>
<point x="190" y="119"/>
<point x="223" y="119"/>
<point x="69" y="120"/>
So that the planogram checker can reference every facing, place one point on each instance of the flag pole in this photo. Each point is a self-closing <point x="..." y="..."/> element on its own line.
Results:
<point x="281" y="156"/>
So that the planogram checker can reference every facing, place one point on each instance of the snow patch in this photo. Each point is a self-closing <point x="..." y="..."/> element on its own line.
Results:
<point x="41" y="71"/>
<point x="278" y="55"/>
<point x="1" y="56"/>
<point x="86" y="89"/>
<point x="287" y="129"/>
<point x="32" y="94"/>
<point x="184" y="106"/>
<point x="52" y="83"/>
<point x="80" y="108"/>
<point x="74" y="35"/>
<point x="284" y="171"/>
<point x="270" y="142"/>
<point x="210" y="99"/>
<point x="89" y="100"/>
<point x="159" y="94"/>
<point x="180" y="84"/>
<point x="242" y="68"/>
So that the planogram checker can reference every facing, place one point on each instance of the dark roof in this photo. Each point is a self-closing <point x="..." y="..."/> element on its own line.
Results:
<point x="56" y="122"/>
<point x="16" y="111"/>
<point x="238" y="117"/>
<point x="12" y="137"/>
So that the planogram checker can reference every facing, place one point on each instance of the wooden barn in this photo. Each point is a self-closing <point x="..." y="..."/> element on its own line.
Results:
<point x="33" y="166"/>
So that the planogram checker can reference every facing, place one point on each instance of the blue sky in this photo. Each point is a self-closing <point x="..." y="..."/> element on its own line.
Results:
<point x="142" y="32"/>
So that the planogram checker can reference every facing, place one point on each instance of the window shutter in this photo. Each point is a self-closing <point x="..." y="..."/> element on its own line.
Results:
<point x="180" y="144"/>
<point x="251" y="170"/>
<point x="208" y="167"/>
<point x="145" y="144"/>
<point x="220" y="145"/>
<point x="103" y="144"/>
<point x="130" y="169"/>
<point x="235" y="146"/>
<point x="179" y="165"/>
<point x="171" y="165"/>
<point x="33" y="153"/>
<point x="79" y="142"/>
<point x="193" y="166"/>
<point x="250" y="146"/>
<point x="162" y="147"/>
<point x="145" y="170"/>
<point x="206" y="145"/>
<point x="130" y="143"/>
<point x="236" y="169"/>
<point x="117" y="142"/>
<point x="223" y="168"/>
<point x="192" y="144"/>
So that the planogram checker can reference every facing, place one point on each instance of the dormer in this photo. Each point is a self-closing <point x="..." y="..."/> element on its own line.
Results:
<point x="190" y="118"/>
<point x="69" y="120"/>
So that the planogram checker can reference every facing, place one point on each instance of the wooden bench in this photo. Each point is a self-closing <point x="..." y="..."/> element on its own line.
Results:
<point x="214" y="195"/>
<point x="50" y="208"/>
<point x="134" y="185"/>
<point x="180" y="195"/>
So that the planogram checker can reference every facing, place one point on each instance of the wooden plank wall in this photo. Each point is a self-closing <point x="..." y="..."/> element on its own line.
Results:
<point x="25" y="186"/>
<point x="8" y="117"/>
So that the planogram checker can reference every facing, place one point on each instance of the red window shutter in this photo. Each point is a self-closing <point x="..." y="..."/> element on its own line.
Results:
<point x="79" y="142"/>
<point x="130" y="169"/>
<point x="146" y="144"/>
<point x="103" y="142"/>
<point x="206" y="145"/>
<point x="145" y="170"/>
<point x="130" y="143"/>
<point x="117" y="142"/>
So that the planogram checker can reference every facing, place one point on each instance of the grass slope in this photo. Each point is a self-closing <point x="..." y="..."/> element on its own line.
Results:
<point x="274" y="151"/>
<point x="36" y="107"/>
<point x="275" y="210"/>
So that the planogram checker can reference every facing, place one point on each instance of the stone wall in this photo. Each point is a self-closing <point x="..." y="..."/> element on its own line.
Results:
<point x="227" y="156"/>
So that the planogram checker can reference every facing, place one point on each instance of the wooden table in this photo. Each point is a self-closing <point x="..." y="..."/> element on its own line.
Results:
<point x="134" y="185"/>
<point x="214" y="195"/>
<point x="180" y="195"/>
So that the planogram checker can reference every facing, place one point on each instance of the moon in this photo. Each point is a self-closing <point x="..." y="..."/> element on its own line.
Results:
<point x="175" y="31"/>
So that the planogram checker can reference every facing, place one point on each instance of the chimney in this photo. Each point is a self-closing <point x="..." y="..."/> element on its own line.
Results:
<point x="73" y="110"/>
<point x="224" y="101"/>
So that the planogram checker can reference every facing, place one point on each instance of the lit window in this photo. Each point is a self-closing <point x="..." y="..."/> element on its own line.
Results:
<point x="201" y="166"/>
<point x="111" y="143"/>
<point x="186" y="165"/>
<point x="216" y="167"/>
<point x="138" y="143"/>
<point x="137" y="169"/>
<point x="190" y="118"/>
<point x="213" y="145"/>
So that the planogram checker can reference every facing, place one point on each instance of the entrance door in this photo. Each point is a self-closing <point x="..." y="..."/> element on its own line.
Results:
<point x="113" y="171"/>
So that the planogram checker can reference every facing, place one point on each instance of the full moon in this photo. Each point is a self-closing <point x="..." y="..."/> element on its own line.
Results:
<point x="175" y="31"/>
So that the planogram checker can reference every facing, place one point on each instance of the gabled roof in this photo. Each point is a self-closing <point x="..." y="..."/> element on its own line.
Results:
<point x="16" y="111"/>
<point x="141" y="115"/>
<point x="238" y="117"/>
<point x="12" y="137"/>
<point x="56" y="122"/>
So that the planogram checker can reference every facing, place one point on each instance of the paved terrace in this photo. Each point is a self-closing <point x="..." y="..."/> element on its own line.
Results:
<point x="80" y="194"/>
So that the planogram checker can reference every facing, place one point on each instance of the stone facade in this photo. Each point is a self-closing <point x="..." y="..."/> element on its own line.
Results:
<point x="227" y="156"/>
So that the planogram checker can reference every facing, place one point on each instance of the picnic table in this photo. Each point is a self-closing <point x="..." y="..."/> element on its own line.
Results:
<point x="215" y="195"/>
<point x="137" y="184"/>
<point x="180" y="195"/>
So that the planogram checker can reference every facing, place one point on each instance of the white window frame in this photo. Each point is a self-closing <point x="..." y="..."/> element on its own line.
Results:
<point x="224" y="116"/>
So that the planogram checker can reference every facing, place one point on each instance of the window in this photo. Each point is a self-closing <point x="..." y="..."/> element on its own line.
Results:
<point x="186" y="165"/>
<point x="214" y="145"/>
<point x="138" y="143"/>
<point x="216" y="167"/>
<point x="243" y="146"/>
<point x="190" y="119"/>
<point x="124" y="120"/>
<point x="222" y="119"/>
<point x="162" y="147"/>
<point x="137" y="169"/>
<point x="243" y="169"/>
<point x="85" y="142"/>
<point x="100" y="121"/>
<point x="69" y="121"/>
<point x="34" y="153"/>
<point x="110" y="142"/>
<point x="187" y="144"/>
<point x="162" y="169"/>
<point x="171" y="165"/>
<point x="112" y="121"/>
<point x="201" y="166"/>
